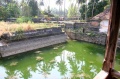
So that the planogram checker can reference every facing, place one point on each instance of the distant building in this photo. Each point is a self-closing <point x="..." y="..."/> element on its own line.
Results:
<point x="101" y="20"/>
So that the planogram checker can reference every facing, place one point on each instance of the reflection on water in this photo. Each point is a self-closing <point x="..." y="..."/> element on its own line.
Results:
<point x="73" y="60"/>
<point x="1" y="43"/>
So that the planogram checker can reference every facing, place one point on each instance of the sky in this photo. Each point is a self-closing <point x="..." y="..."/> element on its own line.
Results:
<point x="52" y="3"/>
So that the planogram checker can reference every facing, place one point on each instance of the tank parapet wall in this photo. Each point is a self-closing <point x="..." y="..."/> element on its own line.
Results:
<point x="21" y="35"/>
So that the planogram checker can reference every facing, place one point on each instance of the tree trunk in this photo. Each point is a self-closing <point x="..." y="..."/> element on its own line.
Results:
<point x="59" y="11"/>
<point x="86" y="13"/>
<point x="93" y="8"/>
<point x="64" y="9"/>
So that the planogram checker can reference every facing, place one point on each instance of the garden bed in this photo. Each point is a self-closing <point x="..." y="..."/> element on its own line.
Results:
<point x="8" y="27"/>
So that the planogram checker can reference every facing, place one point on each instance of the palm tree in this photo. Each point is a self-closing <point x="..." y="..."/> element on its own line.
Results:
<point x="0" y="3"/>
<point x="64" y="9"/>
<point x="80" y="2"/>
<point x="49" y="8"/>
<point x="41" y="3"/>
<point x="5" y="2"/>
<point x="59" y="2"/>
<point x="8" y="1"/>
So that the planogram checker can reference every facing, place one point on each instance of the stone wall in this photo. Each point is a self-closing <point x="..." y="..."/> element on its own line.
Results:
<point x="31" y="44"/>
<point x="21" y="35"/>
<point x="82" y="25"/>
<point x="71" y="35"/>
<point x="85" y="32"/>
<point x="97" y="38"/>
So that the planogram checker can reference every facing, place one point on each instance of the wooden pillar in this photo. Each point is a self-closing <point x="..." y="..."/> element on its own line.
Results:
<point x="112" y="36"/>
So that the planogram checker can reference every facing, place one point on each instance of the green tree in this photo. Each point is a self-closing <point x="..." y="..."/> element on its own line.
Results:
<point x="94" y="8"/>
<point x="108" y="4"/>
<point x="5" y="2"/>
<point x="13" y="9"/>
<point x="80" y="2"/>
<point x="8" y="9"/>
<point x="25" y="9"/>
<point x="59" y="3"/>
<point x="34" y="7"/>
<point x="0" y="3"/>
<point x="41" y="3"/>
<point x="3" y="13"/>
<point x="8" y="1"/>
<point x="83" y="11"/>
<point x="72" y="11"/>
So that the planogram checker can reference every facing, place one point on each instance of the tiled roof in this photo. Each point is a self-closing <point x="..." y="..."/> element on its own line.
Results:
<point x="103" y="15"/>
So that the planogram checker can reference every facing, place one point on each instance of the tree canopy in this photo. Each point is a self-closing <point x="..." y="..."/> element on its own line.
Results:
<point x="34" y="7"/>
<point x="9" y="9"/>
<point x="93" y="8"/>
<point x="29" y="8"/>
<point x="72" y="11"/>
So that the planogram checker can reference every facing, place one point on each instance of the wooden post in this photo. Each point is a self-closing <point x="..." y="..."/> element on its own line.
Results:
<point x="112" y="36"/>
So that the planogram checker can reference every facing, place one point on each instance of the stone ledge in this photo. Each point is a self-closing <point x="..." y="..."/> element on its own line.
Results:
<point x="31" y="44"/>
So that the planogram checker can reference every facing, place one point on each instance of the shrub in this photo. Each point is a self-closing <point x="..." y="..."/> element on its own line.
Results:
<point x="23" y="19"/>
<point x="19" y="33"/>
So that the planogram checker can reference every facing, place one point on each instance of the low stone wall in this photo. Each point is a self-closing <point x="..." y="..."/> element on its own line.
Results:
<point x="21" y="35"/>
<point x="84" y="31"/>
<point x="71" y="35"/>
<point x="31" y="44"/>
<point x="82" y="25"/>
<point x="97" y="38"/>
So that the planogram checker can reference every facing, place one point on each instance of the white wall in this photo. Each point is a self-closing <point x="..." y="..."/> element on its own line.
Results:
<point x="104" y="26"/>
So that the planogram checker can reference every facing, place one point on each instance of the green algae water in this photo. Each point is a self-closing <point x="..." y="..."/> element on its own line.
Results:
<point x="71" y="60"/>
